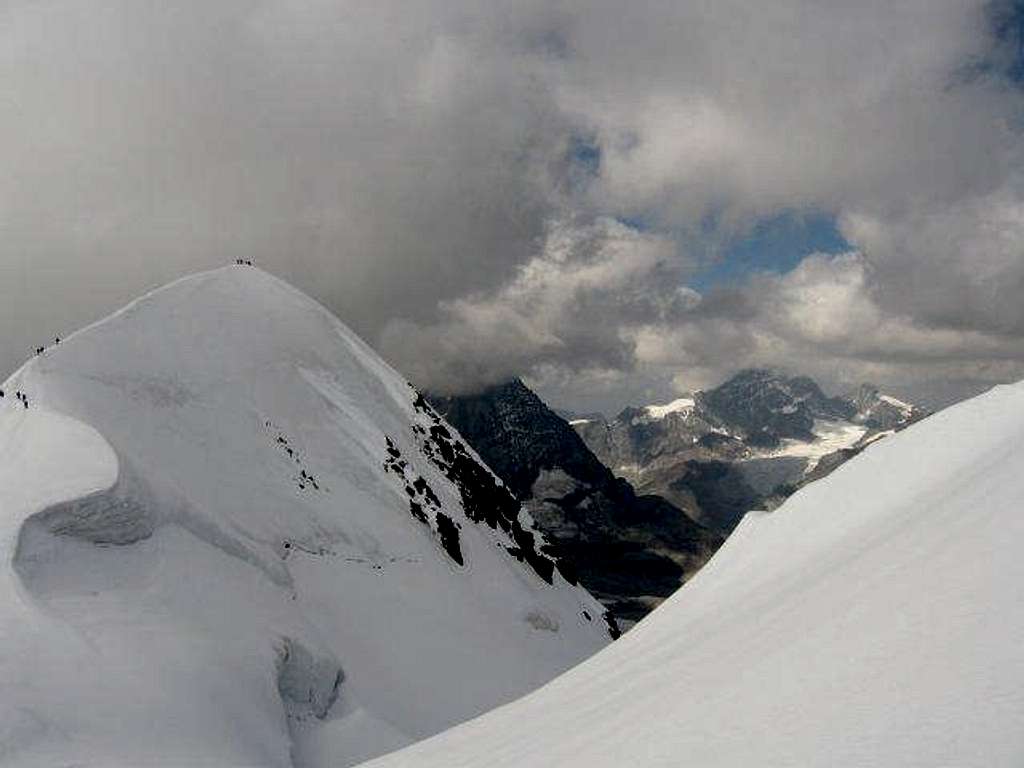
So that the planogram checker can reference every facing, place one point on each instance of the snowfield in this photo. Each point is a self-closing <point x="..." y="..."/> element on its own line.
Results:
<point x="231" y="535"/>
<point x="679" y="405"/>
<point x="829" y="436"/>
<point x="874" y="619"/>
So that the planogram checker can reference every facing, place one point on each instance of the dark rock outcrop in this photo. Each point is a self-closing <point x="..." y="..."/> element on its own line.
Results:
<point x="631" y="551"/>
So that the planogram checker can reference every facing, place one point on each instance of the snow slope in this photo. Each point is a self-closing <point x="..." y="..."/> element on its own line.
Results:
<point x="230" y="534"/>
<point x="874" y="619"/>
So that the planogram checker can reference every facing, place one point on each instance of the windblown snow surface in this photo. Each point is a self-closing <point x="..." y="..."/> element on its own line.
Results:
<point x="231" y="535"/>
<point x="874" y="619"/>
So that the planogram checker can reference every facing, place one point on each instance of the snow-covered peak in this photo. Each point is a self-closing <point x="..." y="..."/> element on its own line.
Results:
<point x="874" y="619"/>
<point x="231" y="534"/>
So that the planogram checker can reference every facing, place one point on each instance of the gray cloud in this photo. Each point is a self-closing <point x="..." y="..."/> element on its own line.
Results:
<point x="447" y="176"/>
<point x="574" y="306"/>
<point x="363" y="151"/>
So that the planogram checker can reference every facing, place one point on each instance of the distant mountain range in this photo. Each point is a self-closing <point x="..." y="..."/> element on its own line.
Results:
<point x="746" y="444"/>
<point x="637" y="504"/>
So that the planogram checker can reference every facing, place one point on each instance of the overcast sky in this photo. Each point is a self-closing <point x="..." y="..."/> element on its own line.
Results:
<point x="618" y="201"/>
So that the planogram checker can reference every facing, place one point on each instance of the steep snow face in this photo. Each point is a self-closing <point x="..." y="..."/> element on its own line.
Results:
<point x="873" y="619"/>
<point x="230" y="534"/>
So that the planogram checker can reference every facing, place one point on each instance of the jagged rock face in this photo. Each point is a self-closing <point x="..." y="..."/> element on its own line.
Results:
<point x="768" y="407"/>
<point x="744" y="445"/>
<point x="518" y="435"/>
<point x="630" y="551"/>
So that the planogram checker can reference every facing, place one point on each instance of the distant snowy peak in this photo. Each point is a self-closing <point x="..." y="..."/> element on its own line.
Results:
<point x="766" y="406"/>
<point x="760" y="406"/>
<point x="769" y="406"/>
<point x="231" y="534"/>
<point x="743" y="445"/>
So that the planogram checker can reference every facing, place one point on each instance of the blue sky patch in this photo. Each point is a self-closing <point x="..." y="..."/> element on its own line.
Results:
<point x="774" y="245"/>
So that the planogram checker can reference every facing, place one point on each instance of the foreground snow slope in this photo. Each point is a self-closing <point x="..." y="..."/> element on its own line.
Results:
<point x="875" y="619"/>
<point x="231" y="535"/>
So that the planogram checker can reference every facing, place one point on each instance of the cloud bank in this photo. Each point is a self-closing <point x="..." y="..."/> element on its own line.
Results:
<point x="527" y="188"/>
